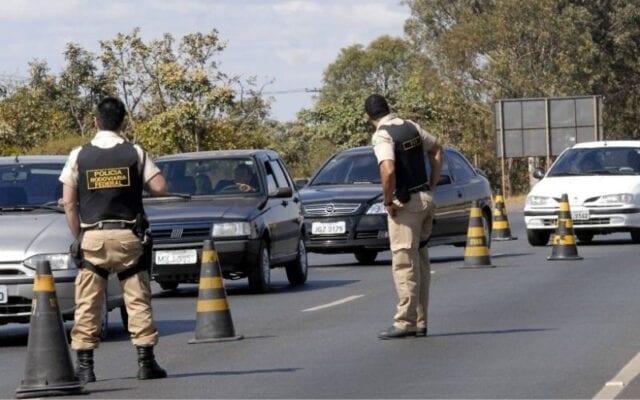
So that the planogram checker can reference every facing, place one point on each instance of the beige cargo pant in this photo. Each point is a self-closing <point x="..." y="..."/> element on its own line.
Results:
<point x="115" y="251"/>
<point x="410" y="263"/>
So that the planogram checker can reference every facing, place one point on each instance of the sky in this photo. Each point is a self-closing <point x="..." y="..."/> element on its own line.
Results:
<point x="288" y="41"/>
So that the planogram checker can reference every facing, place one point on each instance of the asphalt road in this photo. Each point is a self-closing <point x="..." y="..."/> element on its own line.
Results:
<point x="528" y="328"/>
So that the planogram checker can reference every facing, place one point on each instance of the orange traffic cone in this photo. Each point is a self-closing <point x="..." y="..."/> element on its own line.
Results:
<point x="500" y="228"/>
<point x="476" y="252"/>
<point x="49" y="370"/>
<point x="213" y="322"/>
<point x="564" y="240"/>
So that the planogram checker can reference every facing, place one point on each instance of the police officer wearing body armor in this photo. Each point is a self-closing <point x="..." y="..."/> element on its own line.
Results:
<point x="102" y="194"/>
<point x="401" y="147"/>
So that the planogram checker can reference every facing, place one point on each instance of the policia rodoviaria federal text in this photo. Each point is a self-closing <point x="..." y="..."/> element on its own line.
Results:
<point x="103" y="183"/>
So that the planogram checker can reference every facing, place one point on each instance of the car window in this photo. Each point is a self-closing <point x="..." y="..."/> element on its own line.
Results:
<point x="349" y="168"/>
<point x="212" y="176"/>
<point x="280" y="178"/>
<point x="30" y="184"/>
<point x="598" y="161"/>
<point x="272" y="185"/>
<point x="460" y="169"/>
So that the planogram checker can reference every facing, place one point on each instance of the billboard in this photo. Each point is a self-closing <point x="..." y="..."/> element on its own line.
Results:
<point x="546" y="126"/>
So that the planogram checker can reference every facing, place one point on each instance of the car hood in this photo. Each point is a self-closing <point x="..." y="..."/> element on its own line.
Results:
<point x="27" y="234"/>
<point x="340" y="193"/>
<point x="580" y="188"/>
<point x="204" y="208"/>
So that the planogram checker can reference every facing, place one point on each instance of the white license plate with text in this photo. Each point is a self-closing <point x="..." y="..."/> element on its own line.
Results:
<point x="4" y="295"/>
<point x="579" y="215"/>
<point x="173" y="257"/>
<point x="328" y="228"/>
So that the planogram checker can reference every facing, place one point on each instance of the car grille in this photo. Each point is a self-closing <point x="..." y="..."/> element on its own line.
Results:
<point x="181" y="232"/>
<point x="11" y="272"/>
<point x="329" y="209"/>
<point x="16" y="306"/>
<point x="593" y="221"/>
<point x="337" y="238"/>
<point x="367" y="235"/>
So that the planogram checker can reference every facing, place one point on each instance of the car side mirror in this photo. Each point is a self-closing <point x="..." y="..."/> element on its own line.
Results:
<point x="282" y="192"/>
<point x="481" y="172"/>
<point x="538" y="173"/>
<point x="444" y="180"/>
<point x="300" y="183"/>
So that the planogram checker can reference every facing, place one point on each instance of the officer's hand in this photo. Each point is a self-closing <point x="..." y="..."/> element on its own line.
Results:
<point x="391" y="209"/>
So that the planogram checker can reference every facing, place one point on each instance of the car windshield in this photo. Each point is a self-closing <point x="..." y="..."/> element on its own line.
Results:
<point x="211" y="176"/>
<point x="30" y="185"/>
<point x="598" y="161"/>
<point x="349" y="168"/>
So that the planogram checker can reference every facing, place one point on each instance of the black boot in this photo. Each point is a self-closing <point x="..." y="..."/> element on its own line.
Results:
<point x="84" y="366"/>
<point x="148" y="368"/>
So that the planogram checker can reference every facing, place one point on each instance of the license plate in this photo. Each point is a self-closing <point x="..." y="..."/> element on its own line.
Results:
<point x="173" y="257"/>
<point x="328" y="228"/>
<point x="579" y="215"/>
<point x="4" y="295"/>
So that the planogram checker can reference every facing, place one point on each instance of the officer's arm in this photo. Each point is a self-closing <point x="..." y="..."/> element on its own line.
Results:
<point x="157" y="185"/>
<point x="70" y="201"/>
<point x="388" y="176"/>
<point x="436" y="158"/>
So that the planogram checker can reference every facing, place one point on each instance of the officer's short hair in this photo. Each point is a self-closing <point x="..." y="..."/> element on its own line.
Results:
<point x="110" y="114"/>
<point x="376" y="106"/>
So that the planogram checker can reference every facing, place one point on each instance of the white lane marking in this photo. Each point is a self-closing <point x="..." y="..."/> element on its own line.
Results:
<point x="334" y="303"/>
<point x="627" y="374"/>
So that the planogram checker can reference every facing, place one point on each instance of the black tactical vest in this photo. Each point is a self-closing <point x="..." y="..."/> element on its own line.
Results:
<point x="410" y="163"/>
<point x="110" y="185"/>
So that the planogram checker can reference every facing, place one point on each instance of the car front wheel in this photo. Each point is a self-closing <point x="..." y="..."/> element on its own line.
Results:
<point x="297" y="271"/>
<point x="538" y="237"/>
<point x="585" y="237"/>
<point x="168" y="285"/>
<point x="635" y="235"/>
<point x="260" y="275"/>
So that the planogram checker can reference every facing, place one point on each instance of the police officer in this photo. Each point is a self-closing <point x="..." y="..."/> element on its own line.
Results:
<point x="400" y="147"/>
<point x="102" y="194"/>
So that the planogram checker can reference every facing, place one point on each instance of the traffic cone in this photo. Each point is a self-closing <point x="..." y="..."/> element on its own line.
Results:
<point x="476" y="252"/>
<point x="49" y="370"/>
<point x="563" y="240"/>
<point x="213" y="322"/>
<point x="500" y="228"/>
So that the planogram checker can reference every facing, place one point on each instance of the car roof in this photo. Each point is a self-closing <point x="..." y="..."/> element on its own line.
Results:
<point x="367" y="149"/>
<point x="607" y="143"/>
<point x="32" y="159"/>
<point x="218" y="154"/>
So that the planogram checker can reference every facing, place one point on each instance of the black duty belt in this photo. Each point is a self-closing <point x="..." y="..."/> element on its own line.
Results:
<point x="111" y="225"/>
<point x="420" y="188"/>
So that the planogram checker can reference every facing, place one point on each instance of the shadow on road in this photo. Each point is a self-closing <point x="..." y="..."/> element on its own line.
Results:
<point x="495" y="332"/>
<point x="243" y="289"/>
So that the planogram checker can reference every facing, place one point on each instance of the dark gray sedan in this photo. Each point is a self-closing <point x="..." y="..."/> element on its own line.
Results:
<point x="344" y="212"/>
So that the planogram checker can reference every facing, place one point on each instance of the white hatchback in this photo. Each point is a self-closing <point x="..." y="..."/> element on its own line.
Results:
<point x="602" y="181"/>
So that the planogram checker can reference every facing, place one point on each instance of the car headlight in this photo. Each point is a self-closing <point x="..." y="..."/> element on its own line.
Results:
<point x="228" y="229"/>
<point x="618" y="198"/>
<point x="539" y="201"/>
<point x="377" y="208"/>
<point x="57" y="261"/>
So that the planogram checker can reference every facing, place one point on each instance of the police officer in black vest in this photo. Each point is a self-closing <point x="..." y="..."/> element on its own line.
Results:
<point x="402" y="147"/>
<point x="102" y="194"/>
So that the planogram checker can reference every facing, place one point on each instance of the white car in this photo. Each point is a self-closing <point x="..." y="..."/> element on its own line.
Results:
<point x="602" y="181"/>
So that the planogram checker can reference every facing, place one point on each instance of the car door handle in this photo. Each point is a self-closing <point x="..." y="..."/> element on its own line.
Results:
<point x="296" y="200"/>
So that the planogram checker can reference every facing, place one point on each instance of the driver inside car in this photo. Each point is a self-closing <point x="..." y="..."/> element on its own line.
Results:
<point x="243" y="175"/>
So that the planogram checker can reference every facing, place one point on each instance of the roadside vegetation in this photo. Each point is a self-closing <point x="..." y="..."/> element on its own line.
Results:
<point x="456" y="59"/>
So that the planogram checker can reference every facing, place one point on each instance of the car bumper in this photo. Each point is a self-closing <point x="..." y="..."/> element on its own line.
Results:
<point x="368" y="232"/>
<point x="236" y="257"/>
<point x="598" y="219"/>
<point x="20" y="295"/>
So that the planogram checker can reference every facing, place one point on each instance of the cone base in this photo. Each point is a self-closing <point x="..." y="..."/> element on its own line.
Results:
<point x="214" y="340"/>
<point x="477" y="266"/>
<point x="560" y="258"/>
<point x="62" y="390"/>
<point x="500" y="239"/>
